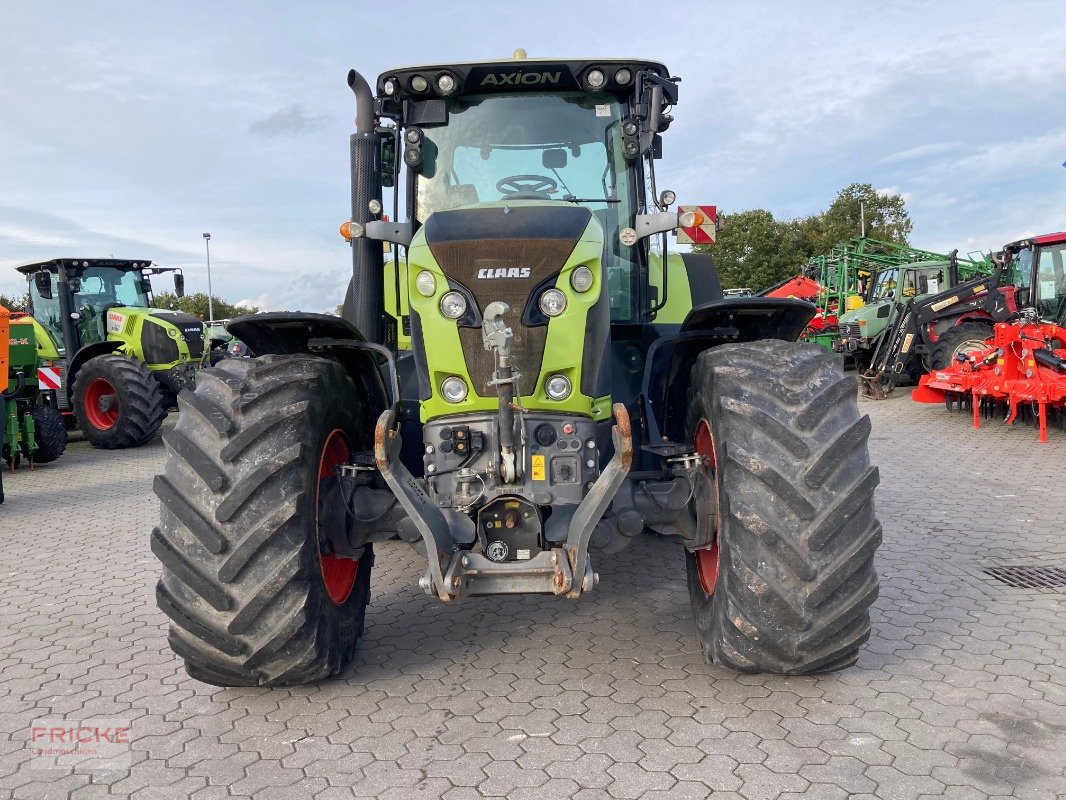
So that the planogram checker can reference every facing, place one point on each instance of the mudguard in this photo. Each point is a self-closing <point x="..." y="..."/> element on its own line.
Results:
<point x="291" y="332"/>
<point x="668" y="368"/>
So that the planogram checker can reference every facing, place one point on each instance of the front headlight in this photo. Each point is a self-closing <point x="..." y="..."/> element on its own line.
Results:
<point x="454" y="389"/>
<point x="453" y="305"/>
<point x="581" y="279"/>
<point x="553" y="302"/>
<point x="557" y="387"/>
<point x="426" y="283"/>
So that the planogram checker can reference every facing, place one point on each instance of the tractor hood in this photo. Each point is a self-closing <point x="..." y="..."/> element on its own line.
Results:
<point x="870" y="311"/>
<point x="512" y="252"/>
<point x="159" y="331"/>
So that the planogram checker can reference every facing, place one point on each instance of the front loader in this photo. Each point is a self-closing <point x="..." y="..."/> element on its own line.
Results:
<point x="530" y="383"/>
<point x="118" y="363"/>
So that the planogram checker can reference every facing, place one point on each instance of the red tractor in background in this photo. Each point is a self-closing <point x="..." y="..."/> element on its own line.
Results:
<point x="1022" y="367"/>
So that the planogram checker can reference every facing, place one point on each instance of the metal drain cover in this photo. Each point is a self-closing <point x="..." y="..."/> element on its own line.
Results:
<point x="1031" y="577"/>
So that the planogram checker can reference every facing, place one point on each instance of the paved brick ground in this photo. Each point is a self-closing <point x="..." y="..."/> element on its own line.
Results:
<point x="960" y="693"/>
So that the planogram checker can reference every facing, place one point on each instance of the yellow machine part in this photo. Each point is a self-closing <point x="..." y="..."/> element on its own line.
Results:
<point x="5" y="346"/>
<point x="854" y="301"/>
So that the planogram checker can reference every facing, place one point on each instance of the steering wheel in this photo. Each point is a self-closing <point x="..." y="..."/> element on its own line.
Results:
<point x="527" y="187"/>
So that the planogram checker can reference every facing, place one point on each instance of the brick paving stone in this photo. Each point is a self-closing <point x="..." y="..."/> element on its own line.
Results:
<point x="960" y="694"/>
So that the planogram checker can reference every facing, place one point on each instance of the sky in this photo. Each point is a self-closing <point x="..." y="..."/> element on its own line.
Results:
<point x="129" y="129"/>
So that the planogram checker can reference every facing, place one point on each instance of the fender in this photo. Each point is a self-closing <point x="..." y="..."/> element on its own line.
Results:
<point x="291" y="332"/>
<point x="89" y="351"/>
<point x="668" y="367"/>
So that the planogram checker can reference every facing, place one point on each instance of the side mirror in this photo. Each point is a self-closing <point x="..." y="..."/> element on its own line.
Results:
<point x="179" y="284"/>
<point x="42" y="279"/>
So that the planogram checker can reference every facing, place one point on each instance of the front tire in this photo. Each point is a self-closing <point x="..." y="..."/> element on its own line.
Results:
<point x="251" y="597"/>
<point x="786" y="583"/>
<point x="965" y="338"/>
<point x="117" y="402"/>
<point x="50" y="431"/>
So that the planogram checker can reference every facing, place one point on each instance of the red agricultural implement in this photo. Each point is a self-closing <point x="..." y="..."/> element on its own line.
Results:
<point x="1024" y="367"/>
<point x="1021" y="369"/>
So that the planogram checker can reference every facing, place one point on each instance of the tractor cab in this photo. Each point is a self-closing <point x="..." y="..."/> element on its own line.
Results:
<point x="1037" y="267"/>
<point x="96" y="314"/>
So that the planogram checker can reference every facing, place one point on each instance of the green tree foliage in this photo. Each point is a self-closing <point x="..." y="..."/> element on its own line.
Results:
<point x="196" y="304"/>
<point x="18" y="303"/>
<point x="886" y="218"/>
<point x="755" y="250"/>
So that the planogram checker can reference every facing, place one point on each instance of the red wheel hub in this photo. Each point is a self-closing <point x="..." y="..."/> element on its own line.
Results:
<point x="338" y="574"/>
<point x="101" y="404"/>
<point x="707" y="558"/>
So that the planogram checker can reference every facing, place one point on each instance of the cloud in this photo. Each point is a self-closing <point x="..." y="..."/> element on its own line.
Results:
<point x="288" y="121"/>
<point x="921" y="151"/>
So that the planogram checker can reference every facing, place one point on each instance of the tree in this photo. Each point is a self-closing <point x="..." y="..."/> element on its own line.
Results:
<point x="15" y="303"/>
<point x="196" y="304"/>
<point x="885" y="214"/>
<point x="755" y="250"/>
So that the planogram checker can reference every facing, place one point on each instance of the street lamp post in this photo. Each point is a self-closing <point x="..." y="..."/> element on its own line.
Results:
<point x="210" y="294"/>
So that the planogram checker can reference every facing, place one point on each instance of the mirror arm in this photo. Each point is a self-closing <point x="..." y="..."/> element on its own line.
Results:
<point x="396" y="232"/>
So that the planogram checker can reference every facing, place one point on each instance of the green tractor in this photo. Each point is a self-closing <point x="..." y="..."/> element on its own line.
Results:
<point x="121" y="363"/>
<point x="34" y="428"/>
<point x="889" y="291"/>
<point x="534" y="378"/>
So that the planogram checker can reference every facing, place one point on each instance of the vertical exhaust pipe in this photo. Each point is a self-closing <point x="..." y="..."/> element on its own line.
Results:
<point x="368" y="258"/>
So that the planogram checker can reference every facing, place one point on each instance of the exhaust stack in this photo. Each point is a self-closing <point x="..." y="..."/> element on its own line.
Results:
<point x="368" y="262"/>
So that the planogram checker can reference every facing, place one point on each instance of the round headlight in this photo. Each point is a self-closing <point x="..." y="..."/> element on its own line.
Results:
<point x="413" y="135"/>
<point x="454" y="389"/>
<point x="419" y="84"/>
<point x="453" y="305"/>
<point x="667" y="198"/>
<point x="426" y="283"/>
<point x="390" y="87"/>
<point x="623" y="76"/>
<point x="553" y="302"/>
<point x="595" y="78"/>
<point x="446" y="84"/>
<point x="627" y="236"/>
<point x="374" y="206"/>
<point x="557" y="387"/>
<point x="581" y="279"/>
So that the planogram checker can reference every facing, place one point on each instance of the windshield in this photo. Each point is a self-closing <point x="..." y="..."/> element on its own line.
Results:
<point x="1051" y="282"/>
<point x="563" y="146"/>
<point x="885" y="283"/>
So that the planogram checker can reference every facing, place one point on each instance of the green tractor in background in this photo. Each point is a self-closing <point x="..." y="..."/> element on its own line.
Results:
<point x="889" y="290"/>
<point x="535" y="376"/>
<point x="34" y="428"/>
<point x="121" y="362"/>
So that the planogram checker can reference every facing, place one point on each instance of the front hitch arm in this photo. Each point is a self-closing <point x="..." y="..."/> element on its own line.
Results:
<point x="590" y="511"/>
<point x="429" y="521"/>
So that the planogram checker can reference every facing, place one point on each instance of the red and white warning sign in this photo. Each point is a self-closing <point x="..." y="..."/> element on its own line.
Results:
<point x="48" y="378"/>
<point x="704" y="225"/>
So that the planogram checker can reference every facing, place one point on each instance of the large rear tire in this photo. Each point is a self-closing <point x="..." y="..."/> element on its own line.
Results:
<point x="117" y="402"/>
<point x="252" y="598"/>
<point x="965" y="338"/>
<point x="787" y="582"/>
<point x="50" y="431"/>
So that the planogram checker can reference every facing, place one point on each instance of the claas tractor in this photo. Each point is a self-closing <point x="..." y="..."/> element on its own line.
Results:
<point x="34" y="427"/>
<point x="120" y="363"/>
<point x="533" y="383"/>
